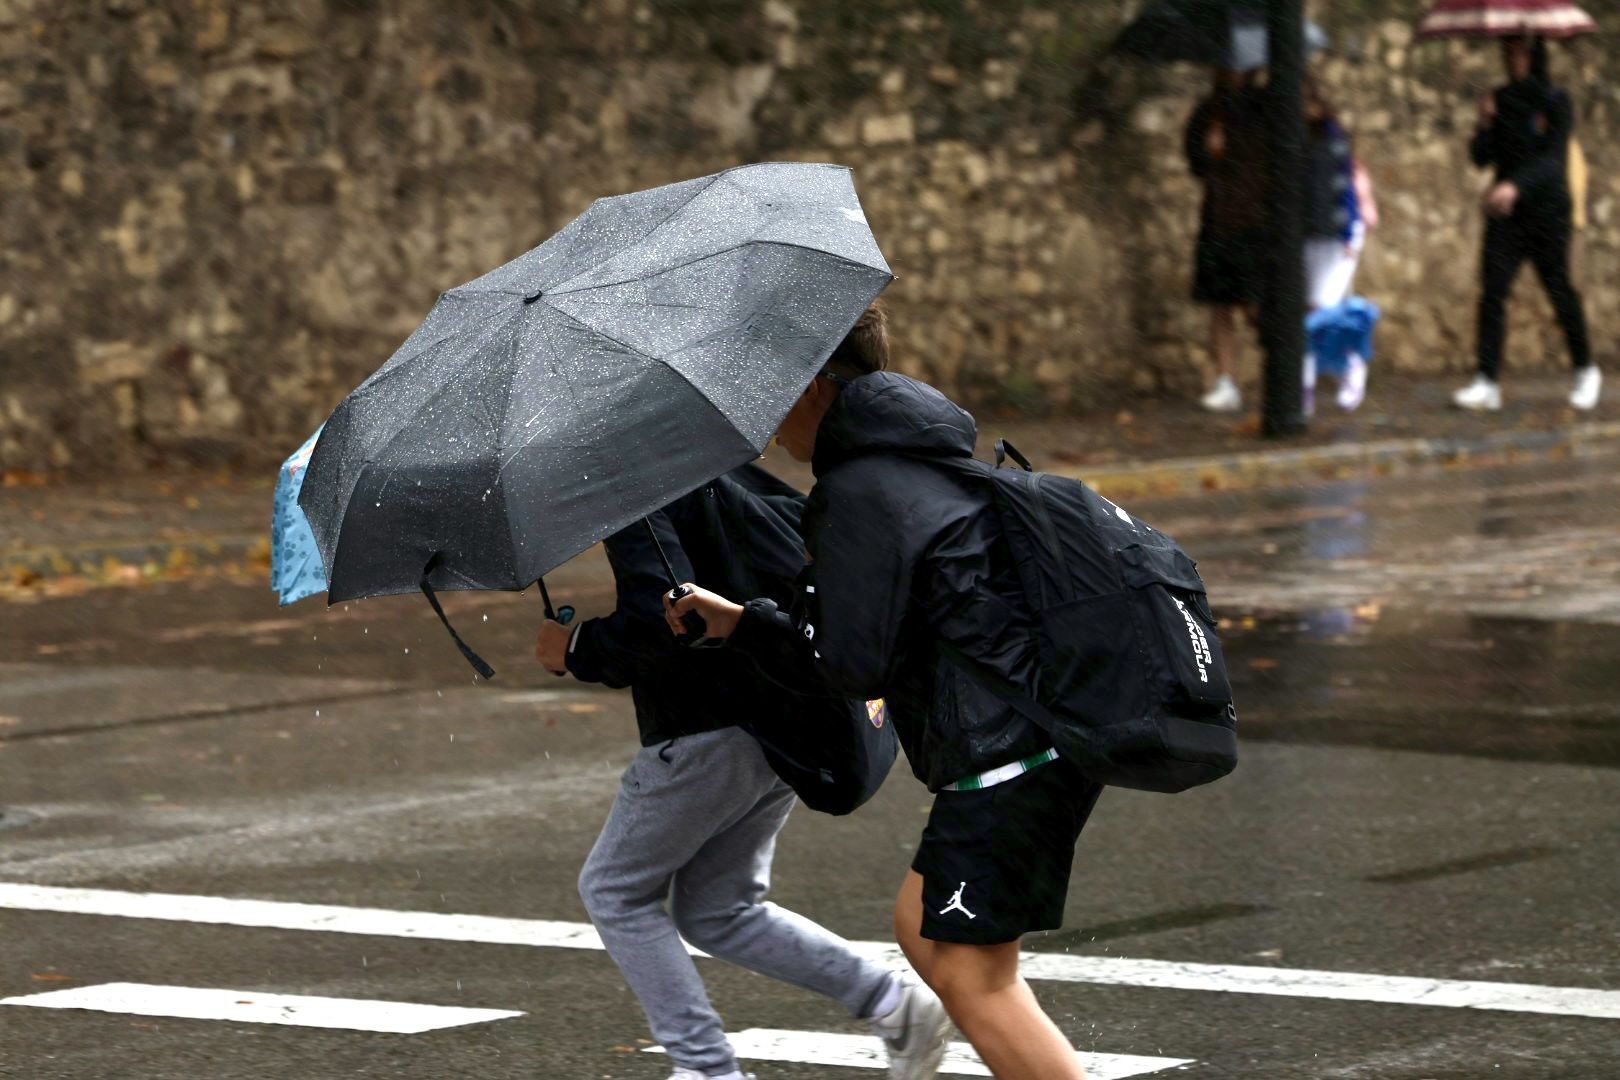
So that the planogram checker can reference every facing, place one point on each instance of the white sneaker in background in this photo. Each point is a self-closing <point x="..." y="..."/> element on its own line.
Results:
<point x="1353" y="387"/>
<point x="1588" y="383"/>
<point x="1481" y="394"/>
<point x="1223" y="396"/>
<point x="693" y="1074"/>
<point x="915" y="1033"/>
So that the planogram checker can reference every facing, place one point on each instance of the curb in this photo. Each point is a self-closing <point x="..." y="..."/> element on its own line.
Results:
<point x="133" y="560"/>
<point x="1343" y="461"/>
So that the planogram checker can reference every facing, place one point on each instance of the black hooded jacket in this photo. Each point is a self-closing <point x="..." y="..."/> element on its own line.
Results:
<point x="905" y="552"/>
<point x="736" y="534"/>
<point x="1528" y="143"/>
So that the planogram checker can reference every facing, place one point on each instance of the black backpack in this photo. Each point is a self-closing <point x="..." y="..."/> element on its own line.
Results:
<point x="1131" y="680"/>
<point x="834" y="752"/>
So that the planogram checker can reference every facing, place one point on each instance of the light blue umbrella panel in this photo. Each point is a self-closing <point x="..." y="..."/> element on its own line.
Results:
<point x="295" y="561"/>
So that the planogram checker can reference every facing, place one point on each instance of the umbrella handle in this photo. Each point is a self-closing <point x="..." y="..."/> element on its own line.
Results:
<point x="564" y="614"/>
<point x="696" y="628"/>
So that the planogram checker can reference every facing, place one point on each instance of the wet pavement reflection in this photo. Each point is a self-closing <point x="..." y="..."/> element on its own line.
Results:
<point x="1519" y="689"/>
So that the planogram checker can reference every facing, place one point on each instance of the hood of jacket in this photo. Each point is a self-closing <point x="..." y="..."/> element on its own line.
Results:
<point x="888" y="413"/>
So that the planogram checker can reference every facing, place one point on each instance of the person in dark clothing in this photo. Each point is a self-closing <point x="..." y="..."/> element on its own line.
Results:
<point x="686" y="851"/>
<point x="1225" y="146"/>
<point x="905" y="556"/>
<point x="1524" y="132"/>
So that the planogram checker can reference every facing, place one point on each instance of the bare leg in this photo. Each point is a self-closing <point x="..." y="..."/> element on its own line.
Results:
<point x="908" y="927"/>
<point x="990" y="1003"/>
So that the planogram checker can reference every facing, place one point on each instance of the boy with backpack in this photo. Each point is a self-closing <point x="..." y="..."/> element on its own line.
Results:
<point x="925" y="587"/>
<point x="686" y="850"/>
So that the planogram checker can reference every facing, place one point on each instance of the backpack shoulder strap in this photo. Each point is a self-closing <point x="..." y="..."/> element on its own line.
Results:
<point x="1005" y="450"/>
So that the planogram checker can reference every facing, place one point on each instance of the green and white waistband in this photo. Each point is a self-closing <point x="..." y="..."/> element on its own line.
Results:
<point x="1002" y="774"/>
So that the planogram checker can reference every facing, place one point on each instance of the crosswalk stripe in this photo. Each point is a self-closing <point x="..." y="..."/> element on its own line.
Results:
<point x="253" y="1007"/>
<point x="866" y="1052"/>
<point x="1055" y="967"/>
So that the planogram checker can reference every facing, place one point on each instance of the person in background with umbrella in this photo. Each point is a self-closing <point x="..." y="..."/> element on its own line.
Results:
<point x="1524" y="131"/>
<point x="907" y="559"/>
<point x="686" y="851"/>
<point x="1225" y="143"/>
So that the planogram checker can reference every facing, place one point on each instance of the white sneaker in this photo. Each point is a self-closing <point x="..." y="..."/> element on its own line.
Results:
<point x="915" y="1034"/>
<point x="693" y="1074"/>
<point x="1588" y="381"/>
<point x="1223" y="396"/>
<point x="1480" y="394"/>
<point x="1353" y="387"/>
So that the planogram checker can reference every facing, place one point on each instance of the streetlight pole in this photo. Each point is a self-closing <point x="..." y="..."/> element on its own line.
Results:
<point x="1282" y="316"/>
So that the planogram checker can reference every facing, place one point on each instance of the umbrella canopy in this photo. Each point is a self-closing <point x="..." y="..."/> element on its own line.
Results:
<point x="653" y="344"/>
<point x="1214" y="33"/>
<point x="1505" y="18"/>
<point x="295" y="561"/>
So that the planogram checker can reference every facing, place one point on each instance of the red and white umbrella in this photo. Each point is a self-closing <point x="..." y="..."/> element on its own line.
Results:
<point x="1505" y="18"/>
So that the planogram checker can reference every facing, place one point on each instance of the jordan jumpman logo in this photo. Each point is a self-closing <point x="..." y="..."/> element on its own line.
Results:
<point x="956" y="904"/>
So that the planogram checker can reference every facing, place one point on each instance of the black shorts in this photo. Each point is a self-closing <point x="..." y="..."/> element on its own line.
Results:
<point x="995" y="862"/>
<point x="1230" y="270"/>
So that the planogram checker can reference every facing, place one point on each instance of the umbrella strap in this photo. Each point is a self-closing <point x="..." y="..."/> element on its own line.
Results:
<point x="466" y="650"/>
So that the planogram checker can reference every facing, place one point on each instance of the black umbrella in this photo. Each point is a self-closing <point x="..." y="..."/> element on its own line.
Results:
<point x="653" y="344"/>
<point x="1227" y="34"/>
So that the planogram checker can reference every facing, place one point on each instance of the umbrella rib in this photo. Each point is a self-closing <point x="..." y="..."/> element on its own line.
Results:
<point x="568" y="387"/>
<point x="715" y="255"/>
<point x="373" y="458"/>
<point x="654" y="360"/>
<point x="368" y="388"/>
<point x="487" y="331"/>
<point x="500" y="438"/>
<point x="395" y="362"/>
<point x="642" y="239"/>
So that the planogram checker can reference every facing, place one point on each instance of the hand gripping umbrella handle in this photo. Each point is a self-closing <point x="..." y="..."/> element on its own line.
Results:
<point x="696" y="628"/>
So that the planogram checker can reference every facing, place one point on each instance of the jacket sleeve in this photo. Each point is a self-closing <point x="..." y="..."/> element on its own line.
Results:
<point x="846" y="638"/>
<point x="1540" y="175"/>
<point x="621" y="648"/>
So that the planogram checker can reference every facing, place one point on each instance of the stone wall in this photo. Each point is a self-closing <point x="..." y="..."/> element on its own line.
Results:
<point x="219" y="216"/>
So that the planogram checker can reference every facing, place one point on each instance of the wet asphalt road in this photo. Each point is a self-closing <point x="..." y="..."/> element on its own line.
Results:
<point x="1429" y="694"/>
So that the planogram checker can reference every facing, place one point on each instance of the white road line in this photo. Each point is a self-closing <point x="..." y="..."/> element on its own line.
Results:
<point x="252" y="1007"/>
<point x="866" y="1052"/>
<point x="1054" y="967"/>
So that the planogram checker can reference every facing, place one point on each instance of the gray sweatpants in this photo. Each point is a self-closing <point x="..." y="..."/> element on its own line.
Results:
<point x="686" y="853"/>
